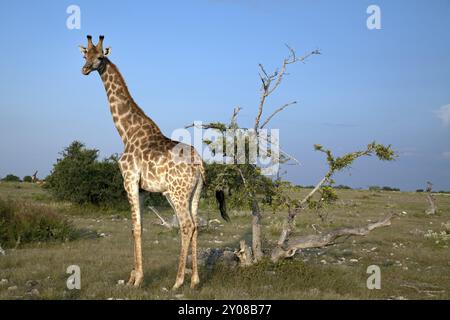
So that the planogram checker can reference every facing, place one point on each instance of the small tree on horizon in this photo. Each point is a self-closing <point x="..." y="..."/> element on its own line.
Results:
<point x="11" y="178"/>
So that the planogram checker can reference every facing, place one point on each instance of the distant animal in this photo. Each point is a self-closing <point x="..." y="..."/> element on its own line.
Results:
<point x="34" y="178"/>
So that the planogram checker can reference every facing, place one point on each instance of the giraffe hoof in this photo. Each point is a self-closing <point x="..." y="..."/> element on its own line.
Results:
<point x="194" y="284"/>
<point x="176" y="286"/>
<point x="132" y="278"/>
<point x="136" y="279"/>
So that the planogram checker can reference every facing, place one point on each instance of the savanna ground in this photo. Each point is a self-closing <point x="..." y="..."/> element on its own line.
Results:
<point x="413" y="266"/>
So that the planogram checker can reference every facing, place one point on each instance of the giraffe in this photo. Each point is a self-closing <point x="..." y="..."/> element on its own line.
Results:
<point x="151" y="162"/>
<point x="34" y="178"/>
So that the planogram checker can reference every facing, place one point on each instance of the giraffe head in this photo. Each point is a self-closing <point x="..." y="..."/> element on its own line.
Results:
<point x="94" y="55"/>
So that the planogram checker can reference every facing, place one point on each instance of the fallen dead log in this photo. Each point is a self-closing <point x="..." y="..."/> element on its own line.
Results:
<point x="289" y="248"/>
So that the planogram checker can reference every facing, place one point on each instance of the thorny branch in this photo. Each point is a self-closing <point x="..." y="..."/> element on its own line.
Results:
<point x="233" y="122"/>
<point x="335" y="164"/>
<point x="277" y="111"/>
<point x="164" y="223"/>
<point x="276" y="78"/>
<point x="293" y="211"/>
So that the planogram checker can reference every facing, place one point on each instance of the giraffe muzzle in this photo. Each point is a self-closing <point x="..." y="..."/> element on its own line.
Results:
<point x="86" y="70"/>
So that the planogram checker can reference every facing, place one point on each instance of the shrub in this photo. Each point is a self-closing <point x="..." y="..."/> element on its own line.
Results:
<point x="11" y="178"/>
<point x="79" y="177"/>
<point x="27" y="179"/>
<point x="374" y="188"/>
<point x="344" y="187"/>
<point x="419" y="190"/>
<point x="25" y="222"/>
<point x="390" y="189"/>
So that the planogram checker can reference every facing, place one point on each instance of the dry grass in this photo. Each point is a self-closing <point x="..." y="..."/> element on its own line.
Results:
<point x="412" y="266"/>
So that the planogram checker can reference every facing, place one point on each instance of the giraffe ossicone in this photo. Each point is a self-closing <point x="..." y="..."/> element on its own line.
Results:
<point x="152" y="162"/>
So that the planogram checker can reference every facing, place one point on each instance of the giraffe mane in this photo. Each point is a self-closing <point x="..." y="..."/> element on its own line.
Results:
<point x="127" y="92"/>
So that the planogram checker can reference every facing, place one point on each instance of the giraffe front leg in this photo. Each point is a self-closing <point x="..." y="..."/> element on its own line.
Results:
<point x="132" y="188"/>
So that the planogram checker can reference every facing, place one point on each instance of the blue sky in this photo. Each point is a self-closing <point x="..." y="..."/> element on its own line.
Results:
<point x="196" y="60"/>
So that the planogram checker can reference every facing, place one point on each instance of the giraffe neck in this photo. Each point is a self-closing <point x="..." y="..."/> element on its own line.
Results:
<point x="127" y="116"/>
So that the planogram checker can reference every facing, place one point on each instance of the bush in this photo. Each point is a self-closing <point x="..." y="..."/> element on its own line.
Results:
<point x="25" y="222"/>
<point x="27" y="179"/>
<point x="11" y="178"/>
<point x="343" y="187"/>
<point x="390" y="189"/>
<point x="419" y="190"/>
<point x="374" y="188"/>
<point x="79" y="177"/>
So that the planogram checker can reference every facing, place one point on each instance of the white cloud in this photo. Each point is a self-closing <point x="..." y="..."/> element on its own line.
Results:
<point x="444" y="114"/>
<point x="446" y="154"/>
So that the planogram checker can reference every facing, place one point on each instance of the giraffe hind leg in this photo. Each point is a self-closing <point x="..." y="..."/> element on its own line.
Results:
<point x="195" y="280"/>
<point x="181" y="206"/>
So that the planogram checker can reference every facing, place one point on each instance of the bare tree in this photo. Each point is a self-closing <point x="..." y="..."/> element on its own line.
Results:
<point x="286" y="247"/>
<point x="431" y="199"/>
<point x="270" y="82"/>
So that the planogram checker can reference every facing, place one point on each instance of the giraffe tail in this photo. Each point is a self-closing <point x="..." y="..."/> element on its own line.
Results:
<point x="220" y="197"/>
<point x="203" y="172"/>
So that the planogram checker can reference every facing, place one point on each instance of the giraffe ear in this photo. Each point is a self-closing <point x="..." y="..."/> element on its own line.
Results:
<point x="107" y="51"/>
<point x="83" y="50"/>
